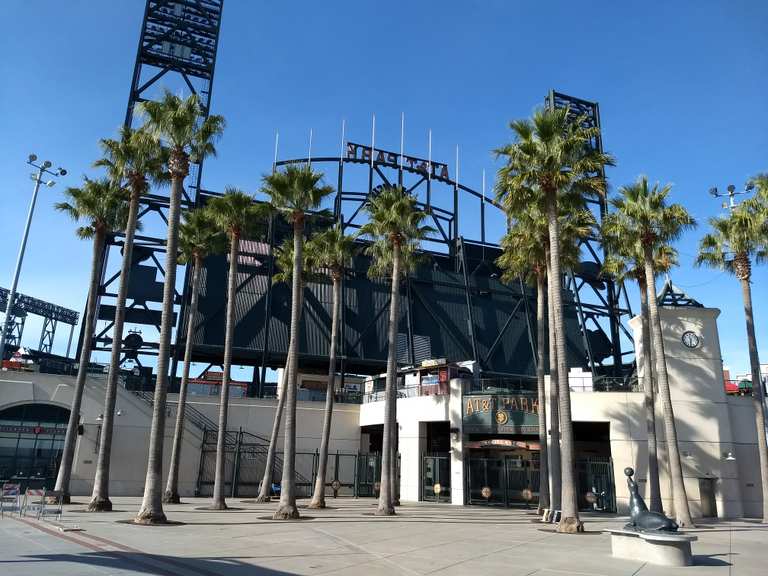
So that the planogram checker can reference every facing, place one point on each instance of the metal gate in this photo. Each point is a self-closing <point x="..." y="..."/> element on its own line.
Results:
<point x="436" y="477"/>
<point x="502" y="480"/>
<point x="347" y="474"/>
<point x="508" y="481"/>
<point x="596" y="488"/>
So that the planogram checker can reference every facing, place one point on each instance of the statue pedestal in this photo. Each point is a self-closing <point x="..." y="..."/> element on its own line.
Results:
<point x="670" y="549"/>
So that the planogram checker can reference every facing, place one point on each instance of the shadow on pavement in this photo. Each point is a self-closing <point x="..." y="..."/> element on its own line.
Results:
<point x="152" y="564"/>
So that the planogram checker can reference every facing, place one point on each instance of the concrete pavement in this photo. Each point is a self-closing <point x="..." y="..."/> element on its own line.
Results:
<point x="348" y="540"/>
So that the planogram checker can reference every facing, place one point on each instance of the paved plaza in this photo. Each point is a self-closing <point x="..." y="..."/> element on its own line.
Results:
<point x="347" y="539"/>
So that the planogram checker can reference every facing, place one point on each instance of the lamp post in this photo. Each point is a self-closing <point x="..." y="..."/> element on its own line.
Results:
<point x="37" y="178"/>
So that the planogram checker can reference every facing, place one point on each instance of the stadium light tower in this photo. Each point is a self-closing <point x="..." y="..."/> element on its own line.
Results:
<point x="37" y="178"/>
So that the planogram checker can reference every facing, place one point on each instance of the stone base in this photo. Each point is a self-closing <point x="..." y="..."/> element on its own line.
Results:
<point x="663" y="549"/>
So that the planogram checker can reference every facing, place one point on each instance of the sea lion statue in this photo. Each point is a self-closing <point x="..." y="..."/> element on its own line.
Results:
<point x="642" y="519"/>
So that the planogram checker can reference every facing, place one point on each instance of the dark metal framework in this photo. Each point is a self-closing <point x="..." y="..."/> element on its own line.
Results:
<point x="598" y="298"/>
<point x="52" y="314"/>
<point x="673" y="297"/>
<point x="178" y="44"/>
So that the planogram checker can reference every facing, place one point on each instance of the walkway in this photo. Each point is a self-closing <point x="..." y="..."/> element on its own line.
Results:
<point x="347" y="540"/>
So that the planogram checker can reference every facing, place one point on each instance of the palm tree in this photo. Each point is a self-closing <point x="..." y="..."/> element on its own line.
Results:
<point x="284" y="260"/>
<point x="395" y="226"/>
<point x="177" y="123"/>
<point x="103" y="208"/>
<point x="235" y="214"/>
<point x="552" y="158"/>
<point x="524" y="256"/>
<point x="623" y="265"/>
<point x="732" y="245"/>
<point x="134" y="160"/>
<point x="643" y="221"/>
<point x="331" y="253"/>
<point x="293" y="192"/>
<point x="198" y="238"/>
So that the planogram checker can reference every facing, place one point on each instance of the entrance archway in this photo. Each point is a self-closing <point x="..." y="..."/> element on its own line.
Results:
<point x="31" y="439"/>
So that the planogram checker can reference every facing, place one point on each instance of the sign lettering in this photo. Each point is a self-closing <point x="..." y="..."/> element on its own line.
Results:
<point x="362" y="152"/>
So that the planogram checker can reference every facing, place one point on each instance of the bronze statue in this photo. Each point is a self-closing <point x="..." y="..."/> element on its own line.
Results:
<point x="642" y="519"/>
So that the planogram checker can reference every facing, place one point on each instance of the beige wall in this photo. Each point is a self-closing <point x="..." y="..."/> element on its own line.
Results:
<point x="131" y="435"/>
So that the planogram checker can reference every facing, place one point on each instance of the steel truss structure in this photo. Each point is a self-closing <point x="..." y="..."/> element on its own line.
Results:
<point x="178" y="44"/>
<point x="598" y="298"/>
<point x="454" y="306"/>
<point x="52" y="314"/>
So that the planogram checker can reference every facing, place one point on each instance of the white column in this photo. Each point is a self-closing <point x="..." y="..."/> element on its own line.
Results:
<point x="411" y="445"/>
<point x="455" y="411"/>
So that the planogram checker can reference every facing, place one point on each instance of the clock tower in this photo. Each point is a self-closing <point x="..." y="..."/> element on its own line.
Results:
<point x="704" y="417"/>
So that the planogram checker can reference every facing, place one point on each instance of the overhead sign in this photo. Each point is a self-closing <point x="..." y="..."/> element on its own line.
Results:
<point x="412" y="163"/>
<point x="502" y="414"/>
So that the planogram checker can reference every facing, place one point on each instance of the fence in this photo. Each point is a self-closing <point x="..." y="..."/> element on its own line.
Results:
<point x="347" y="474"/>
<point x="506" y="480"/>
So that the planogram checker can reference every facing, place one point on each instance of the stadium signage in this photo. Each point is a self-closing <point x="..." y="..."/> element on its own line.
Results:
<point x="502" y="414"/>
<point x="412" y="163"/>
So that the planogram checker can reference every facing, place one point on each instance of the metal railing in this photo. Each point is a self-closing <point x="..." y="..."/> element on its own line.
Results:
<point x="411" y="391"/>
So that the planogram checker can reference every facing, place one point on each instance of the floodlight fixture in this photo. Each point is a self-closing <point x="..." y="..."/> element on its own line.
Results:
<point x="750" y="186"/>
<point x="713" y="191"/>
<point x="32" y="158"/>
<point x="62" y="171"/>
<point x="47" y="164"/>
<point x="731" y="188"/>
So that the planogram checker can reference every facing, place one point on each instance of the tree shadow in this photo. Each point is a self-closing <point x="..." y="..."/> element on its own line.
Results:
<point x="153" y="564"/>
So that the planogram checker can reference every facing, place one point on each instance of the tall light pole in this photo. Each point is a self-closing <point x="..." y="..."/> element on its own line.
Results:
<point x="37" y="178"/>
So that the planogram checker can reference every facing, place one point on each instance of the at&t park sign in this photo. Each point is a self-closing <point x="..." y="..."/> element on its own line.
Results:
<point x="361" y="152"/>
<point x="501" y="414"/>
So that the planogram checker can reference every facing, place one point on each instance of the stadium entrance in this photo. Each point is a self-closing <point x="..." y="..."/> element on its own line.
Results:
<point x="31" y="439"/>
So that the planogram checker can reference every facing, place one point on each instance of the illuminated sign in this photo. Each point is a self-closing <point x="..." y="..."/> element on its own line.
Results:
<point x="412" y="163"/>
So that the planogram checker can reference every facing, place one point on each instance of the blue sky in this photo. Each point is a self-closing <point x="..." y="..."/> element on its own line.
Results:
<point x="682" y="87"/>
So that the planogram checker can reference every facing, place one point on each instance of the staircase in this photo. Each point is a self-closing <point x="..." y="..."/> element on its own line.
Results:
<point x="210" y="431"/>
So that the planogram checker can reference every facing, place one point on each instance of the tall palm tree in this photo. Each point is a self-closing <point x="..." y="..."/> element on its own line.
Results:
<point x="294" y="192"/>
<point x="284" y="261"/>
<point x="177" y="123"/>
<point x="235" y="214"/>
<point x="643" y="221"/>
<point x="102" y="207"/>
<point x="732" y="245"/>
<point x="524" y="255"/>
<point x="395" y="226"/>
<point x="198" y="238"/>
<point x="331" y="253"/>
<point x="134" y="160"/>
<point x="622" y="265"/>
<point x="552" y="157"/>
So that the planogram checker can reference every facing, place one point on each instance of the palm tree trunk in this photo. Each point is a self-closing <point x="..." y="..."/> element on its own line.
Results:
<point x="318" y="498"/>
<point x="541" y="338"/>
<point x="70" y="440"/>
<point x="555" y="466"/>
<point x="100" y="497"/>
<point x="266" y="481"/>
<point x="287" y="508"/>
<point x="679" y="496"/>
<point x="386" y="506"/>
<point x="569" y="520"/>
<point x="757" y="392"/>
<point x="221" y="438"/>
<point x="172" y="484"/>
<point x="650" y="403"/>
<point x="151" y="511"/>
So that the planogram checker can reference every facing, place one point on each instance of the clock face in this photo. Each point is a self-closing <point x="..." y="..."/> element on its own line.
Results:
<point x="690" y="339"/>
